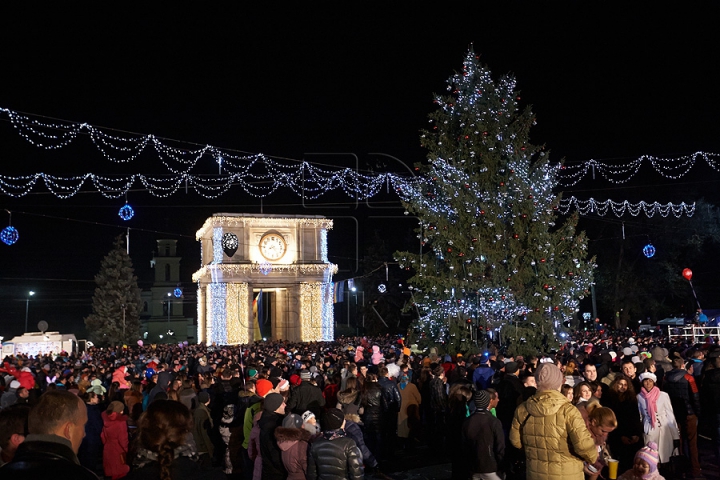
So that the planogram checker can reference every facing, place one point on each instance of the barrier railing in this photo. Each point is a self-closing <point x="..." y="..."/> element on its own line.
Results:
<point x="696" y="334"/>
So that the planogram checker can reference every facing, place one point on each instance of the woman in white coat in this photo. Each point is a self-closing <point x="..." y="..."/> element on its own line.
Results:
<point x="657" y="415"/>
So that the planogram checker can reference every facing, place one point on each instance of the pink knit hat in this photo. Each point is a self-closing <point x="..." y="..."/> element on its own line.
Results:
<point x="650" y="454"/>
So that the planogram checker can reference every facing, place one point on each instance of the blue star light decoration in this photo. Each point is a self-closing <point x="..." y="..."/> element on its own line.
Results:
<point x="648" y="250"/>
<point x="265" y="268"/>
<point x="178" y="292"/>
<point x="126" y="212"/>
<point x="9" y="235"/>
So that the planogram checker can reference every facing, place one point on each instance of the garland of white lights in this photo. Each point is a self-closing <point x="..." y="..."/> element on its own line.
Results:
<point x="260" y="176"/>
<point x="672" y="168"/>
<point x="586" y="207"/>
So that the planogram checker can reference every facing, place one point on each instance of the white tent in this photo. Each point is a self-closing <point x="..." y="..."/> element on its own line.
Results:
<point x="39" y="343"/>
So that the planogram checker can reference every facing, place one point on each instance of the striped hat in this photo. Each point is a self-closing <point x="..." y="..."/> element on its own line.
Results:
<point x="650" y="454"/>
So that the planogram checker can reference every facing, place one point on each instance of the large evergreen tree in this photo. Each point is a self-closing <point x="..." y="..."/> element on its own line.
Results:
<point x="496" y="257"/>
<point x="115" y="317"/>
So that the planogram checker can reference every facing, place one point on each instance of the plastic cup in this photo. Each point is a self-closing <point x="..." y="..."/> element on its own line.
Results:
<point x="612" y="468"/>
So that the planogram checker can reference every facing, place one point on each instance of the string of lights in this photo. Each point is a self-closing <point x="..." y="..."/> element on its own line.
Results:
<point x="261" y="176"/>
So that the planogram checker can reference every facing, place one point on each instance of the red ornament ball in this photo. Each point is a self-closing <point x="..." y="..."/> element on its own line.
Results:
<point x="516" y="236"/>
<point x="542" y="260"/>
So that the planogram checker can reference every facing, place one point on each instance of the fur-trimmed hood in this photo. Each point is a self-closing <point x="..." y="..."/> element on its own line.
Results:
<point x="347" y="398"/>
<point x="287" y="437"/>
<point x="353" y="418"/>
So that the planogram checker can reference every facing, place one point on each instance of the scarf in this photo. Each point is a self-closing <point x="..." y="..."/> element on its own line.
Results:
<point x="145" y="456"/>
<point x="651" y="399"/>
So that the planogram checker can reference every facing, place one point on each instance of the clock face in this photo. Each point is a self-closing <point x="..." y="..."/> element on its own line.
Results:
<point x="272" y="246"/>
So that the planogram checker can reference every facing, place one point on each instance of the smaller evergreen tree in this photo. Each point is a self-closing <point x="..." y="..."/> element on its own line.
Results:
<point x="115" y="317"/>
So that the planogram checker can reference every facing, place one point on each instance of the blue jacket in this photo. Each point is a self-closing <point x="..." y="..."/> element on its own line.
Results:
<point x="482" y="377"/>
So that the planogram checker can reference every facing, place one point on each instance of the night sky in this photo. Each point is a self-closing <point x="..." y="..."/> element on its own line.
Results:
<point x="322" y="82"/>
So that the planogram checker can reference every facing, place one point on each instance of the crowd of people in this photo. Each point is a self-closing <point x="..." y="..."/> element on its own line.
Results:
<point x="611" y="405"/>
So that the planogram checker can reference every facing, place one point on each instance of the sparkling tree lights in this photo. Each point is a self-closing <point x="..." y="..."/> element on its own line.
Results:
<point x="494" y="259"/>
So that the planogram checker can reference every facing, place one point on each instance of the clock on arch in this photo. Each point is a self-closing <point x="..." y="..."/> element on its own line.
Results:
<point x="272" y="246"/>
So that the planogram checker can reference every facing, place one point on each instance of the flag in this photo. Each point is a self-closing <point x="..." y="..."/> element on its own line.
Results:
<point x="338" y="291"/>
<point x="257" y="316"/>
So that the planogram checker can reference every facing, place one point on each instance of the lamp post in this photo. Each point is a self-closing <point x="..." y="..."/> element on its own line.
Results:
<point x="169" y="305"/>
<point x="123" y="309"/>
<point x="27" y="307"/>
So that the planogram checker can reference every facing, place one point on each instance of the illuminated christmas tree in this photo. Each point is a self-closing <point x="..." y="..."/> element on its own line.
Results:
<point x="495" y="257"/>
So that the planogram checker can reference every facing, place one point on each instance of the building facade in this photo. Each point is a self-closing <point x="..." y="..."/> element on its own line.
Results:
<point x="264" y="276"/>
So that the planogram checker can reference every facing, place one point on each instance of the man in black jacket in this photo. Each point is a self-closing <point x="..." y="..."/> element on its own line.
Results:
<point x="391" y="404"/>
<point x="306" y="396"/>
<point x="56" y="428"/>
<point x="334" y="455"/>
<point x="509" y="390"/>
<point x="483" y="442"/>
<point x="685" y="398"/>
<point x="271" y="418"/>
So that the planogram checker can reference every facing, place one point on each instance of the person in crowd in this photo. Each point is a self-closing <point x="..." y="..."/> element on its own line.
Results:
<point x="391" y="406"/>
<point x="458" y="411"/>
<point x="334" y="455"/>
<point x="293" y="440"/>
<point x="91" y="448"/>
<point x="307" y="396"/>
<point x="568" y="392"/>
<point x="684" y="396"/>
<point x="630" y="371"/>
<point x="13" y="430"/>
<point x="659" y="424"/>
<point x="509" y="390"/>
<point x="600" y="423"/>
<point x="483" y="373"/>
<point x="202" y="428"/>
<point x="482" y="443"/>
<point x="56" y="427"/>
<point x="271" y="418"/>
<point x="710" y="398"/>
<point x="627" y="439"/>
<point x="164" y="451"/>
<point x="373" y="414"/>
<point x="409" y="415"/>
<point x="581" y="393"/>
<point x="349" y="400"/>
<point x="645" y="465"/>
<point x="114" y="437"/>
<point x="552" y="431"/>
<point x="438" y="407"/>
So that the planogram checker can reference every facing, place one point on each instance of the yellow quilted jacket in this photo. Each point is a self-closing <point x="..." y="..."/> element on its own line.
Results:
<point x="554" y="436"/>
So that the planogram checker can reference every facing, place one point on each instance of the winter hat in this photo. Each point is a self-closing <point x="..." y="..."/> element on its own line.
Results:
<point x="252" y="372"/>
<point x="333" y="419"/>
<point x="203" y="397"/>
<point x="634" y="349"/>
<point x="650" y="454"/>
<point x="284" y="385"/>
<point x="15" y="384"/>
<point x="548" y="377"/>
<point x="305" y="375"/>
<point x="511" y="367"/>
<point x="627" y="351"/>
<point x="482" y="399"/>
<point x="263" y="387"/>
<point x="649" y="375"/>
<point x="307" y="416"/>
<point x="295" y="380"/>
<point x="273" y="402"/>
<point x="292" y="421"/>
<point x="631" y="341"/>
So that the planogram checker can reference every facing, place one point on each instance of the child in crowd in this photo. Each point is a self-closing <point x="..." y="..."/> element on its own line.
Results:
<point x="645" y="466"/>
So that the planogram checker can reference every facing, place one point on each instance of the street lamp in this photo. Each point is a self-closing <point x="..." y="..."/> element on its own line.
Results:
<point x="169" y="305"/>
<point x="27" y="307"/>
